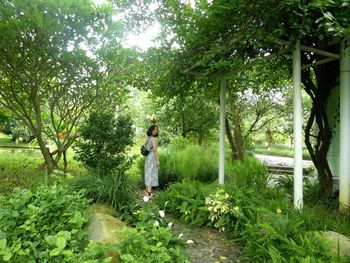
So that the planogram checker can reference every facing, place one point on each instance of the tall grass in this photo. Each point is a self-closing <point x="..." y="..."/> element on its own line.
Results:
<point x="190" y="162"/>
<point x="113" y="189"/>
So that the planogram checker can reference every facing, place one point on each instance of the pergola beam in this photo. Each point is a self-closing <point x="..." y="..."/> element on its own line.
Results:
<point x="320" y="62"/>
<point x="319" y="52"/>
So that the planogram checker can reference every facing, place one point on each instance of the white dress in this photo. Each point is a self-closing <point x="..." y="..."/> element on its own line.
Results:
<point x="151" y="168"/>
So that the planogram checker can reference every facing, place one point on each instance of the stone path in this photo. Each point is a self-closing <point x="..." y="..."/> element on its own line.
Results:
<point x="209" y="245"/>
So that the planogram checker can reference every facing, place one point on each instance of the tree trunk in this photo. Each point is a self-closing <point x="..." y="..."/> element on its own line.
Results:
<point x="326" y="80"/>
<point x="49" y="162"/>
<point x="230" y="140"/>
<point x="237" y="135"/>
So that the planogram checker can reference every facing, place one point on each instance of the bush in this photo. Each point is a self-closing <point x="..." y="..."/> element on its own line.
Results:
<point x="104" y="139"/>
<point x="44" y="227"/>
<point x="114" y="189"/>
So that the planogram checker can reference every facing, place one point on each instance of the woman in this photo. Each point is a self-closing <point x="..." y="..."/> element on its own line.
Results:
<point x="151" y="160"/>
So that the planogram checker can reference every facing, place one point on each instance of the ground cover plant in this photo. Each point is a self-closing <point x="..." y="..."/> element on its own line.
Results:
<point x="46" y="226"/>
<point x="261" y="218"/>
<point x="151" y="240"/>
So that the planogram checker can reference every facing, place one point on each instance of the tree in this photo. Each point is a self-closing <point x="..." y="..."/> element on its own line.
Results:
<point x="58" y="59"/>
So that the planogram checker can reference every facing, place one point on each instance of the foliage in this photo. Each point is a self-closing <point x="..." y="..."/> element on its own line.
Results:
<point x="16" y="129"/>
<point x="186" y="200"/>
<point x="103" y="142"/>
<point x="262" y="218"/>
<point x="45" y="226"/>
<point x="222" y="213"/>
<point x="152" y="239"/>
<point x="114" y="189"/>
<point x="66" y="58"/>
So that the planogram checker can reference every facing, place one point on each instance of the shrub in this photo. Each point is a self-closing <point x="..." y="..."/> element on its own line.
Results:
<point x="46" y="226"/>
<point x="114" y="189"/>
<point x="104" y="139"/>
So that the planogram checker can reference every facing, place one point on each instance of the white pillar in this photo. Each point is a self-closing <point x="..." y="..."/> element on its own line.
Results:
<point x="223" y="84"/>
<point x="344" y="163"/>
<point x="298" y="120"/>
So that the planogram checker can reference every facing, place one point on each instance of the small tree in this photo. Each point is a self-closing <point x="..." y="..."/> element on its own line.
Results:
<point x="103" y="142"/>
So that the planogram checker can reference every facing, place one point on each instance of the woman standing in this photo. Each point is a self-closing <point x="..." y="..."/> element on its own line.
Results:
<point x="151" y="160"/>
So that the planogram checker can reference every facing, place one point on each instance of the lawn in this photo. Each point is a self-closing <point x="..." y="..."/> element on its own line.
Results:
<point x="279" y="151"/>
<point x="5" y="140"/>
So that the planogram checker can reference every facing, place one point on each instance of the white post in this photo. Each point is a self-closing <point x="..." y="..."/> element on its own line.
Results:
<point x="344" y="163"/>
<point x="222" y="131"/>
<point x="298" y="120"/>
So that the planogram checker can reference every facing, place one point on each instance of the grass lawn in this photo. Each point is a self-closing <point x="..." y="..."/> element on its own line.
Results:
<point x="19" y="168"/>
<point x="5" y="140"/>
<point x="279" y="151"/>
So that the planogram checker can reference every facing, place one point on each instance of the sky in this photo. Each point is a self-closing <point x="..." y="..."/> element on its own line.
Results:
<point x="143" y="40"/>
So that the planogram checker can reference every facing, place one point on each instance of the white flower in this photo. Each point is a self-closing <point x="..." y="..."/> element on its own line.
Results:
<point x="145" y="199"/>
<point x="161" y="213"/>
<point x="156" y="224"/>
<point x="170" y="224"/>
<point x="181" y="235"/>
<point x="236" y="208"/>
<point x="189" y="241"/>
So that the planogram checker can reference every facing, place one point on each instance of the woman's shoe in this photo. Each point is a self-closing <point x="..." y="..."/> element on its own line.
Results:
<point x="150" y="194"/>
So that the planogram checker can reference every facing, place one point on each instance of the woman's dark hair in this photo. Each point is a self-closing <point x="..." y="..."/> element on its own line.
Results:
<point x="150" y="130"/>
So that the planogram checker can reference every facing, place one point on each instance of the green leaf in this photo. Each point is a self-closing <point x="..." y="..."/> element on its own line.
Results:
<point x="61" y="242"/>
<point x="55" y="252"/>
<point x="3" y="244"/>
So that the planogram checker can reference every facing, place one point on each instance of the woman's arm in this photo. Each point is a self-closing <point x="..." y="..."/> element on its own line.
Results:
<point x="155" y="149"/>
